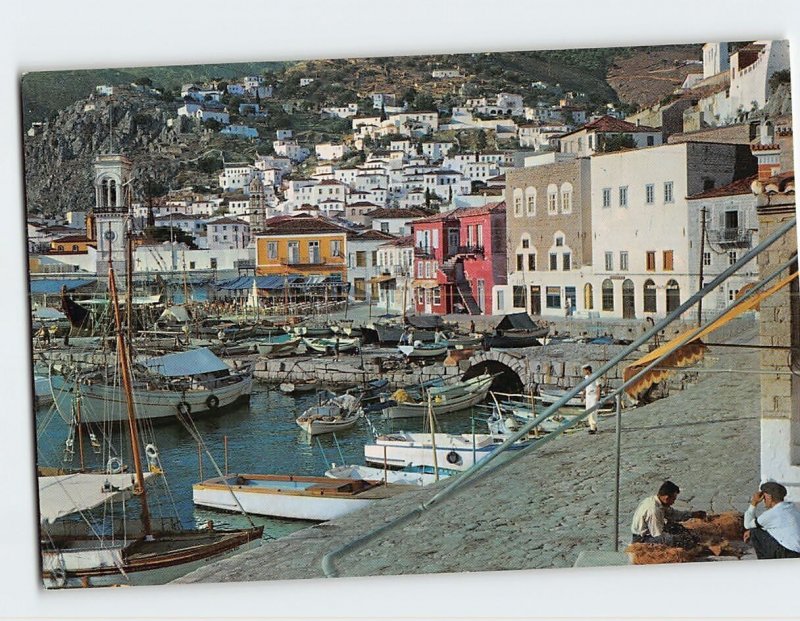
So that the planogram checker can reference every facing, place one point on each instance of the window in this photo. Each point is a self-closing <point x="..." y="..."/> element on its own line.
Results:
<point x="623" y="196"/>
<point x="623" y="260"/>
<point x="191" y="265"/>
<point x="520" y="300"/>
<point x="313" y="252"/>
<point x="361" y="258"/>
<point x="649" y="296"/>
<point x="437" y="296"/>
<point x="272" y="250"/>
<point x="532" y="262"/>
<point x="731" y="220"/>
<point x="336" y="248"/>
<point x="419" y="269"/>
<point x="732" y="293"/>
<point x="559" y="241"/>
<point x="427" y="269"/>
<point x="384" y="227"/>
<point x="650" y="260"/>
<point x="608" y="295"/>
<point x="553" y="261"/>
<point x="566" y="261"/>
<point x="606" y="197"/>
<point x="479" y="228"/>
<point x="213" y="263"/>
<point x="732" y="257"/>
<point x="553" y="297"/>
<point x="552" y="199"/>
<point x="526" y="242"/>
<point x="650" y="193"/>
<point x="651" y="141"/>
<point x="609" y="261"/>
<point x="706" y="259"/>
<point x="566" y="197"/>
<point x="668" y="261"/>
<point x="668" y="192"/>
<point x="520" y="262"/>
<point x="517" y="203"/>
<point x="374" y="258"/>
<point x="501" y="300"/>
<point x="530" y="201"/>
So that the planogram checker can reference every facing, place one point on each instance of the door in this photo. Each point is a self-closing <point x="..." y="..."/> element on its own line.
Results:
<point x="570" y="299"/>
<point x="628" y="300"/>
<point x="428" y="301"/>
<point x="536" y="300"/>
<point x="481" y="292"/>
<point x="360" y="289"/>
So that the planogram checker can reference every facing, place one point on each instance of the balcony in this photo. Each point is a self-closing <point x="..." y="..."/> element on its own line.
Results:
<point x="423" y="251"/>
<point x="734" y="237"/>
<point x="469" y="250"/>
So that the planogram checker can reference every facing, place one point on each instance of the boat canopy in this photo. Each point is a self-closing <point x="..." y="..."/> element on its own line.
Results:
<point x="516" y="321"/>
<point x="262" y="282"/>
<point x="180" y="364"/>
<point x="65" y="494"/>
<point x="425" y="321"/>
<point x="51" y="286"/>
<point x="176" y="313"/>
<point x="45" y="313"/>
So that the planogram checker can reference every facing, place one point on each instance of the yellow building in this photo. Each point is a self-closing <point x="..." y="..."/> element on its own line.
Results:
<point x="70" y="243"/>
<point x="302" y="245"/>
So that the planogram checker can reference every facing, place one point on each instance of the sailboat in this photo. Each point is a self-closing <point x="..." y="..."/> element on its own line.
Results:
<point x="76" y="554"/>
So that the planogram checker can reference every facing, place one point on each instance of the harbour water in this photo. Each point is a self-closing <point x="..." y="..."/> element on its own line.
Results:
<point x="261" y="437"/>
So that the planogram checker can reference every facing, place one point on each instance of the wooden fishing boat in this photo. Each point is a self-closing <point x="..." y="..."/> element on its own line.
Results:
<point x="419" y="351"/>
<point x="288" y="496"/>
<point x="329" y="345"/>
<point x="187" y="382"/>
<point x="337" y="414"/>
<point x="278" y="344"/>
<point x="516" y="338"/>
<point x="410" y="475"/>
<point x="444" y="399"/>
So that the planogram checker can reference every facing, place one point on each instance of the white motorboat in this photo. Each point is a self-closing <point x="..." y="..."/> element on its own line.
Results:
<point x="288" y="496"/>
<point x="411" y="475"/>
<point x="337" y="414"/>
<point x="456" y="452"/>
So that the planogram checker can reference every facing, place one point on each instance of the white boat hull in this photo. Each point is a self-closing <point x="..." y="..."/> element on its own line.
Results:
<point x="442" y="404"/>
<point x="102" y="403"/>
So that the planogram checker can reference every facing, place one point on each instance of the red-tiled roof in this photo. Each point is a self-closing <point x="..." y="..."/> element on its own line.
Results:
<point x="407" y="241"/>
<point x="740" y="186"/>
<point x="611" y="124"/>
<point x="478" y="211"/>
<point x="369" y="235"/>
<point x="301" y="224"/>
<point x="70" y="238"/>
<point x="397" y="212"/>
<point x="229" y="220"/>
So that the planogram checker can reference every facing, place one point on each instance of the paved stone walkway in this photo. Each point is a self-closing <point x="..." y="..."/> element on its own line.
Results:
<point x="544" y="508"/>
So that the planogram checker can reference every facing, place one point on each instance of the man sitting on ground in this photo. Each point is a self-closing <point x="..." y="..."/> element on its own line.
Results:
<point x="655" y="521"/>
<point x="776" y="532"/>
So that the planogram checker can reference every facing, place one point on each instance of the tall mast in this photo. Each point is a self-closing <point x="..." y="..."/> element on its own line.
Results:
<point x="124" y="363"/>
<point x="129" y="281"/>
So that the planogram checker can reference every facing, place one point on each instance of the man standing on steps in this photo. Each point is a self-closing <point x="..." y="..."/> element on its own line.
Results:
<point x="776" y="532"/>
<point x="591" y="395"/>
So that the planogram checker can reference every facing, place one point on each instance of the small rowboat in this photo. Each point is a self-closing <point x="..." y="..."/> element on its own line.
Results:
<point x="292" y="387"/>
<point x="431" y="350"/>
<point x="329" y="345"/>
<point x="338" y="414"/>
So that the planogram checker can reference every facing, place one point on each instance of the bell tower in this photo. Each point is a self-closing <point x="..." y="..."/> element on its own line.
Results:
<point x="112" y="210"/>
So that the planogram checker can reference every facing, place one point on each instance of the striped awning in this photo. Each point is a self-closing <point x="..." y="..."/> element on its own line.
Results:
<point x="685" y="349"/>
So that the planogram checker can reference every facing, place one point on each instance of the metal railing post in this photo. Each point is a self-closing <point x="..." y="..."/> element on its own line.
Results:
<point x="618" y="443"/>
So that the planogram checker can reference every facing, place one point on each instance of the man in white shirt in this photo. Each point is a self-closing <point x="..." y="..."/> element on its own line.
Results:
<point x="776" y="532"/>
<point x="591" y="395"/>
<point x="655" y="521"/>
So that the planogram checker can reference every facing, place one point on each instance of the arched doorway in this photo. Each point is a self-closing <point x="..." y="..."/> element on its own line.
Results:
<point x="608" y="295"/>
<point x="588" y="296"/>
<point x="628" y="300"/>
<point x="673" y="295"/>
<point x="649" y="296"/>
<point x="507" y="379"/>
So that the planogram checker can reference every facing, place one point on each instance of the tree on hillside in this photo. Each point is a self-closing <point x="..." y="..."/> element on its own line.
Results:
<point x="615" y="142"/>
<point x="480" y="141"/>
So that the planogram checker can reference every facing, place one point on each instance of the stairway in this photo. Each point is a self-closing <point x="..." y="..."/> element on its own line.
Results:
<point x="467" y="298"/>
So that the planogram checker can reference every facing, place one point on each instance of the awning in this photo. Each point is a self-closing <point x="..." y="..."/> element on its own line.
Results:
<point x="686" y="349"/>
<point x="53" y="285"/>
<point x="65" y="494"/>
<point x="382" y="278"/>
<point x="184" y="363"/>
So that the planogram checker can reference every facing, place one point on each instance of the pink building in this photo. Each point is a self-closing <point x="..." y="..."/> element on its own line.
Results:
<point x="458" y="257"/>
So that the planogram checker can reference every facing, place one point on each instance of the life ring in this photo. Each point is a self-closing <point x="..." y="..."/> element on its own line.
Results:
<point x="212" y="403"/>
<point x="453" y="458"/>
<point x="151" y="451"/>
<point x="184" y="408"/>
<point x="59" y="576"/>
<point x="114" y="465"/>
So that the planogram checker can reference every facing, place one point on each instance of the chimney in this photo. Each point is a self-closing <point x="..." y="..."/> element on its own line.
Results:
<point x="768" y="155"/>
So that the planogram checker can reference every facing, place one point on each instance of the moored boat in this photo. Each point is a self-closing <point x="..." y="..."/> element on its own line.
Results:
<point x="443" y="399"/>
<point x="337" y="414"/>
<point x="423" y="350"/>
<point x="277" y="344"/>
<point x="329" y="345"/>
<point x="411" y="475"/>
<point x="293" y="497"/>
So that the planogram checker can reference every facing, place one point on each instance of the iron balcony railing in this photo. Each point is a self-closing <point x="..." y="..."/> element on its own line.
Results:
<point x="731" y="236"/>
<point x="481" y="469"/>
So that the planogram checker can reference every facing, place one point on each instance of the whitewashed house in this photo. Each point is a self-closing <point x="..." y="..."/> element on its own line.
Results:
<point x="228" y="233"/>
<point x="330" y="151"/>
<point x="241" y="131"/>
<point x="290" y="149"/>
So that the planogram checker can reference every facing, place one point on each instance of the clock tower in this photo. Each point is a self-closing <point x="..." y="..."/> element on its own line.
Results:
<point x="111" y="216"/>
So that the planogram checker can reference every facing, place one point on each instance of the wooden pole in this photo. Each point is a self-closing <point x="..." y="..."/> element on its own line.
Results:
<point x="200" y="461"/>
<point x="433" y="439"/>
<point x="80" y="432"/>
<point x="225" y="443"/>
<point x="702" y="252"/>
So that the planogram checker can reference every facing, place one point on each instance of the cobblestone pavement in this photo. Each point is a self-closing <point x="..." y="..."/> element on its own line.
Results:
<point x="544" y="508"/>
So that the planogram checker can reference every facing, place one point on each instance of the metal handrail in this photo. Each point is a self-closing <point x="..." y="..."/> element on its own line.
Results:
<point x="467" y="476"/>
